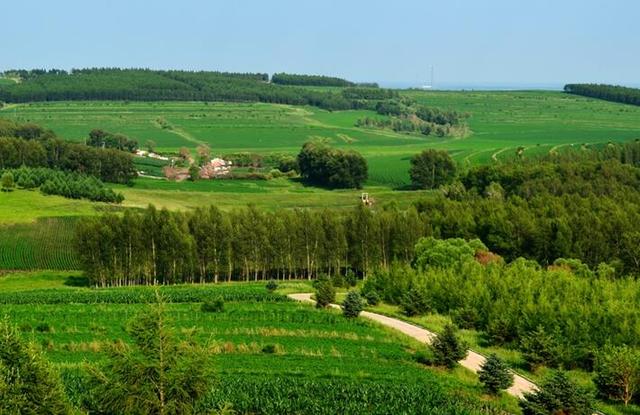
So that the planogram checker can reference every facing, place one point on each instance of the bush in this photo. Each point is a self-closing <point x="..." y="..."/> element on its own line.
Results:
<point x="415" y="302"/>
<point x="372" y="298"/>
<point x="465" y="318"/>
<point x="325" y="293"/>
<point x="495" y="375"/>
<point x="558" y="395"/>
<point x="272" y="285"/>
<point x="269" y="349"/>
<point x="214" y="306"/>
<point x="352" y="305"/>
<point x="448" y="349"/>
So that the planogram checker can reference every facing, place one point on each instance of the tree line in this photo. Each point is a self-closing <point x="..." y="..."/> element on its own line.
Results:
<point x="613" y="93"/>
<point x="67" y="184"/>
<point x="309" y="80"/>
<point x="163" y="247"/>
<point x="31" y="146"/>
<point x="104" y="139"/>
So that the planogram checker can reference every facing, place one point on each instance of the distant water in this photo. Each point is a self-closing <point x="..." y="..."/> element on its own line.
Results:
<point x="452" y="86"/>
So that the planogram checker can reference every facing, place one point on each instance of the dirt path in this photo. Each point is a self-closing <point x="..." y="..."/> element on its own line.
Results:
<point x="473" y="361"/>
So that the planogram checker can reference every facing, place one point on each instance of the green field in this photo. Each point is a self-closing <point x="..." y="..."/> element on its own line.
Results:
<point x="500" y="122"/>
<point x="314" y="350"/>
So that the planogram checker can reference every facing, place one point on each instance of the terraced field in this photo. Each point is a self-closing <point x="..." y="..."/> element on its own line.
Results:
<point x="286" y="356"/>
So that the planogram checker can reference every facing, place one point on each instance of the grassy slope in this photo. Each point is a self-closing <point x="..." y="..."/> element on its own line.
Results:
<point x="310" y="343"/>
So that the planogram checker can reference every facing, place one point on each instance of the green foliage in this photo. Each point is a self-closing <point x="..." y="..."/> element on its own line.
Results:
<point x="104" y="139"/>
<point x="309" y="80"/>
<point x="443" y="253"/>
<point x="272" y="285"/>
<point x="66" y="184"/>
<point x="432" y="169"/>
<point x="325" y="293"/>
<point x="617" y="373"/>
<point x="157" y="376"/>
<point x="28" y="384"/>
<point x="613" y="93"/>
<point x="495" y="375"/>
<point x="372" y="298"/>
<point x="321" y="165"/>
<point x="558" y="395"/>
<point x="540" y="348"/>
<point x="7" y="182"/>
<point x="214" y="306"/>
<point x="415" y="302"/>
<point x="447" y="348"/>
<point x="44" y="150"/>
<point x="352" y="305"/>
<point x="194" y="172"/>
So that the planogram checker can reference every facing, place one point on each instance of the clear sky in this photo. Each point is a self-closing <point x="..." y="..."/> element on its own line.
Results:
<point x="472" y="42"/>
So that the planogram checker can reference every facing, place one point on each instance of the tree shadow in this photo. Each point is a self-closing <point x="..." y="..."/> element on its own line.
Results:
<point x="76" y="281"/>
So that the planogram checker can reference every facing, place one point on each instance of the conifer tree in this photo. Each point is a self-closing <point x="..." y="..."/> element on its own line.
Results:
<point x="495" y="374"/>
<point x="448" y="349"/>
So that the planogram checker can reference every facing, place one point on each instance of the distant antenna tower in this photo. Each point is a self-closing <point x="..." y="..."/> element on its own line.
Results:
<point x="430" y="86"/>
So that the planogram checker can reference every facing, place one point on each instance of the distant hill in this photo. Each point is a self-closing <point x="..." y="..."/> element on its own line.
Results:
<point x="157" y="85"/>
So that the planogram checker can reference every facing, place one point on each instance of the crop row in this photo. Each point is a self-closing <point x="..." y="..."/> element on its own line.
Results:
<point x="140" y="295"/>
<point x="45" y="244"/>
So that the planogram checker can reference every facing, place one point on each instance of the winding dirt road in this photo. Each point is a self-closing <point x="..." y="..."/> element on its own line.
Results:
<point x="473" y="361"/>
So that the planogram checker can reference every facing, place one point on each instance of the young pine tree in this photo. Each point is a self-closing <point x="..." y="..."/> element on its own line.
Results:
<point x="156" y="376"/>
<point x="352" y="305"/>
<point x="448" y="349"/>
<point x="325" y="293"/>
<point x="28" y="384"/>
<point x="558" y="395"/>
<point x="495" y="375"/>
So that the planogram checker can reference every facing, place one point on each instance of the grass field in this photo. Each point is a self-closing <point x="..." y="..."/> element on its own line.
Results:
<point x="313" y="350"/>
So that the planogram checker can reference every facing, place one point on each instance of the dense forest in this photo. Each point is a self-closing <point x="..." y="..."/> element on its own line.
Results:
<point x="309" y="80"/>
<point x="31" y="146"/>
<point x="61" y="183"/>
<point x="105" y="139"/>
<point x="613" y="93"/>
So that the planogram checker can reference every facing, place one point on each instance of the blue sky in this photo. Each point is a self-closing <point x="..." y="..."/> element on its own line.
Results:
<point x="472" y="42"/>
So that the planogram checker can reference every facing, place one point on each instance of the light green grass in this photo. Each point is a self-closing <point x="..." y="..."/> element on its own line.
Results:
<point x="22" y="206"/>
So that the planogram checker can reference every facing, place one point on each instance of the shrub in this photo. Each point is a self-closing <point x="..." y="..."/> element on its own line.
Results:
<point x="465" y="318"/>
<point x="448" y="349"/>
<point x="372" y="298"/>
<point x="350" y="278"/>
<point x="272" y="285"/>
<point x="43" y="327"/>
<point x="495" y="375"/>
<point x="214" y="306"/>
<point x="558" y="395"/>
<point x="325" y="293"/>
<point x="415" y="302"/>
<point x="352" y="305"/>
<point x="269" y="348"/>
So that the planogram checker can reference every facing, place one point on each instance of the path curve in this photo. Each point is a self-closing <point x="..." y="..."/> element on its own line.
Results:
<point x="473" y="361"/>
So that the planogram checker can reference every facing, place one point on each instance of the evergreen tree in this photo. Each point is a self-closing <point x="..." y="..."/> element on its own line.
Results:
<point x="28" y="383"/>
<point x="558" y="395"/>
<point x="7" y="182"/>
<point x="495" y="374"/>
<point x="352" y="305"/>
<point x="447" y="348"/>
<point x="325" y="293"/>
<point x="157" y="376"/>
